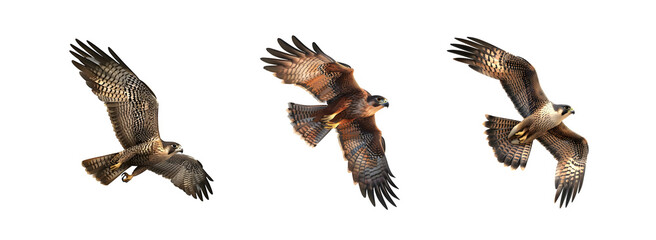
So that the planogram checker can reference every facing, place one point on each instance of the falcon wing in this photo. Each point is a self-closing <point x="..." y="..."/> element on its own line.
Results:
<point x="571" y="151"/>
<point x="185" y="173"/>
<point x="315" y="71"/>
<point x="131" y="105"/>
<point x="517" y="76"/>
<point x="364" y="148"/>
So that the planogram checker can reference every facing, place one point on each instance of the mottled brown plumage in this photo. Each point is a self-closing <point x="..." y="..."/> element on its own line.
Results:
<point x="132" y="109"/>
<point x="512" y="140"/>
<point x="349" y="108"/>
<point x="517" y="76"/>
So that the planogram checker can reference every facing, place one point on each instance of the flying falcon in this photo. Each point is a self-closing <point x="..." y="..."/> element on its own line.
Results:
<point x="350" y="109"/>
<point x="512" y="140"/>
<point x="132" y="109"/>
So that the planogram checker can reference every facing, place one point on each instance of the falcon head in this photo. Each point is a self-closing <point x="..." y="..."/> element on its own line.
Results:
<point x="377" y="101"/>
<point x="172" y="147"/>
<point x="564" y="110"/>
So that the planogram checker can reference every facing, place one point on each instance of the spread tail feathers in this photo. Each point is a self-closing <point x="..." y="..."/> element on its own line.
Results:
<point x="513" y="155"/>
<point x="99" y="168"/>
<point x="303" y="119"/>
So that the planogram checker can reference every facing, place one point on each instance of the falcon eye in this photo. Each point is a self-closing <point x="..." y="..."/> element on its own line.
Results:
<point x="174" y="146"/>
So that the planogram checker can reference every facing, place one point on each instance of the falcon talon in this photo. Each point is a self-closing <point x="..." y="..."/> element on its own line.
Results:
<point x="327" y="118"/>
<point x="115" y="166"/>
<point x="522" y="139"/>
<point x="126" y="177"/>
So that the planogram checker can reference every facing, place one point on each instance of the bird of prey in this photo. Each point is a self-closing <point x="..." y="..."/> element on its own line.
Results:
<point x="132" y="109"/>
<point x="350" y="109"/>
<point x="511" y="140"/>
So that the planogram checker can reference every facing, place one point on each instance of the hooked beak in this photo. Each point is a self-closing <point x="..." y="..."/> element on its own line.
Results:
<point x="572" y="111"/>
<point x="181" y="150"/>
<point x="386" y="104"/>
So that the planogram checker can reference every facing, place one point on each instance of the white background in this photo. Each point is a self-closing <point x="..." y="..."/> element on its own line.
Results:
<point x="202" y="61"/>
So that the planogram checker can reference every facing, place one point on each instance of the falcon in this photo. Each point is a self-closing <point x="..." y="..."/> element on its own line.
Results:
<point x="543" y="120"/>
<point x="350" y="109"/>
<point x="132" y="109"/>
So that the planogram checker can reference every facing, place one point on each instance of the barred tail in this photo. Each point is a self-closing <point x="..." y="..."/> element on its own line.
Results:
<point x="303" y="119"/>
<point x="99" y="168"/>
<point x="513" y="155"/>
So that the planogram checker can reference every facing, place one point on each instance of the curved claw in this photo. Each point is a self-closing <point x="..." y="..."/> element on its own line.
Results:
<point x="126" y="177"/>
<point x="331" y="125"/>
<point x="327" y="118"/>
<point x="522" y="139"/>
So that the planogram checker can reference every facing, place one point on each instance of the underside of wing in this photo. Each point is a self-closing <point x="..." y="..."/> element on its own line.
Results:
<point x="315" y="71"/>
<point x="131" y="105"/>
<point x="364" y="149"/>
<point x="571" y="151"/>
<point x="518" y="77"/>
<point x="187" y="174"/>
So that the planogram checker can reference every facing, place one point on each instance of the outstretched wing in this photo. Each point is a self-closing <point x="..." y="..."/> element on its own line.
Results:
<point x="313" y="70"/>
<point x="185" y="173"/>
<point x="364" y="148"/>
<point x="517" y="76"/>
<point x="131" y="105"/>
<point x="571" y="151"/>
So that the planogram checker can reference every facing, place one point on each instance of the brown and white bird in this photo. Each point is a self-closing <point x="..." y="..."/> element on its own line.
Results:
<point x="512" y="140"/>
<point x="132" y="109"/>
<point x="350" y="109"/>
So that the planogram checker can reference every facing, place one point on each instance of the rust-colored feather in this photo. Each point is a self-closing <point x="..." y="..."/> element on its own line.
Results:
<point x="363" y="148"/>
<point x="317" y="72"/>
<point x="349" y="108"/>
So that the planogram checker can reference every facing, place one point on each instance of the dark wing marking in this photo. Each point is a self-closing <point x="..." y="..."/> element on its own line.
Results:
<point x="365" y="151"/>
<point x="185" y="173"/>
<point x="517" y="76"/>
<point x="513" y="155"/>
<point x="571" y="151"/>
<point x="131" y="105"/>
<point x="315" y="71"/>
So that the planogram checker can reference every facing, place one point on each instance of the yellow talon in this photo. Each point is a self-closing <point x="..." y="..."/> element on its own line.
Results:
<point x="522" y="139"/>
<point x="115" y="166"/>
<point x="331" y="125"/>
<point x="126" y="177"/>
<point x="520" y="133"/>
<point x="327" y="118"/>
